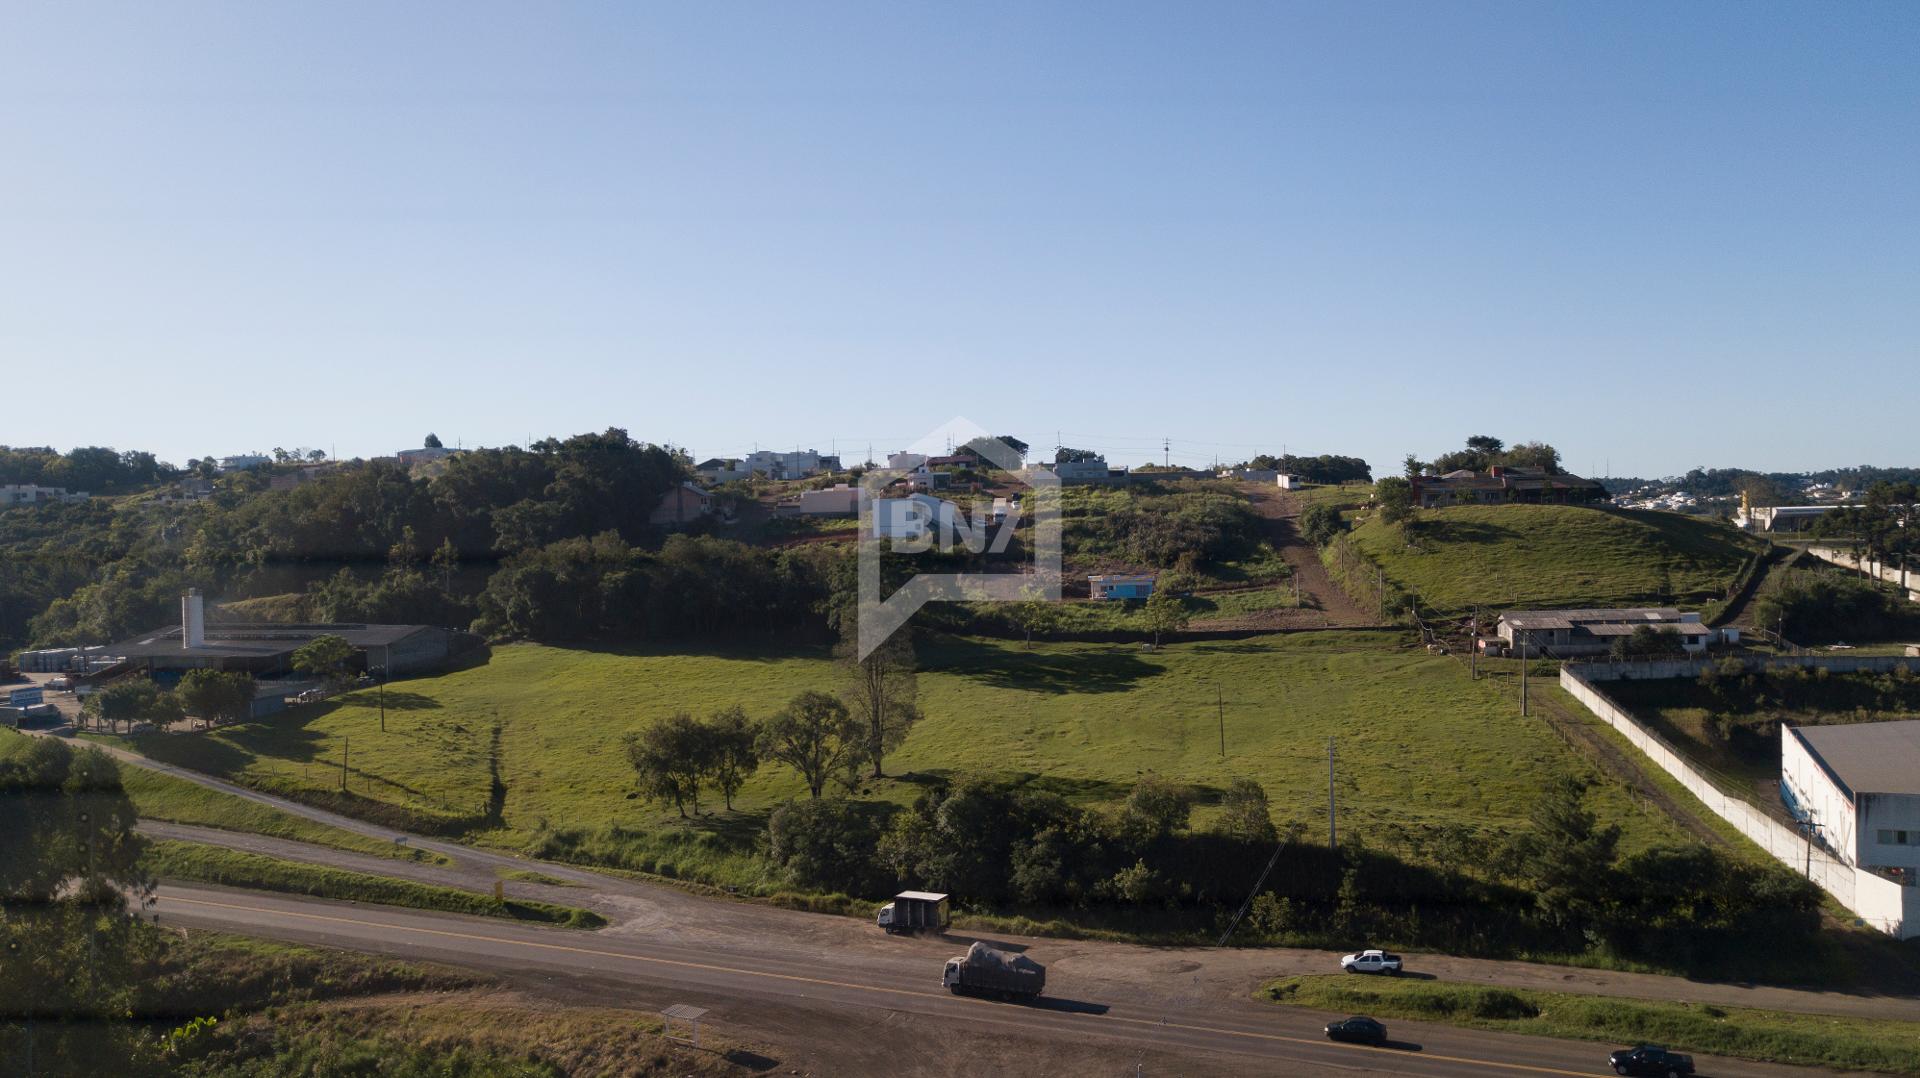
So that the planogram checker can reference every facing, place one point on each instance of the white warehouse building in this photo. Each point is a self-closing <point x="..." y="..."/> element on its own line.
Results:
<point x="1857" y="788"/>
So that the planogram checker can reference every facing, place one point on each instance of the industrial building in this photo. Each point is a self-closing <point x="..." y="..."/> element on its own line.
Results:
<point x="1567" y="633"/>
<point x="1781" y="518"/>
<point x="1856" y="789"/>
<point x="266" y="649"/>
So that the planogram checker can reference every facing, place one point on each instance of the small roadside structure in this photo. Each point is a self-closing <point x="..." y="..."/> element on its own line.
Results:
<point x="915" y="911"/>
<point x="682" y="1012"/>
<point x="1121" y="586"/>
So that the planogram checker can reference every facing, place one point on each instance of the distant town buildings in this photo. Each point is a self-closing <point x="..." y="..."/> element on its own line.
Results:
<point x="767" y="464"/>
<point x="839" y="500"/>
<point x="32" y="494"/>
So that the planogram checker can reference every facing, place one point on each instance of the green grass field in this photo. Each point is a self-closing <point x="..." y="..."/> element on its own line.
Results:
<point x="1556" y="556"/>
<point x="1888" y="1047"/>
<point x="1417" y="743"/>
<point x="163" y="797"/>
<point x="211" y="864"/>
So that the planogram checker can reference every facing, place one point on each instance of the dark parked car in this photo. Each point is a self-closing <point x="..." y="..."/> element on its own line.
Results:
<point x="1359" y="1029"/>
<point x="1651" y="1059"/>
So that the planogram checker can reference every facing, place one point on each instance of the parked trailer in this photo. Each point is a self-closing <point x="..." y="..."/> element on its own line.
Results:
<point x="914" y="911"/>
<point x="983" y="971"/>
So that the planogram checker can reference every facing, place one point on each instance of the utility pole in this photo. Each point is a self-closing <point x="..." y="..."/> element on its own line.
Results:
<point x="1166" y="451"/>
<point x="1220" y="704"/>
<point x="345" y="744"/>
<point x="386" y="660"/>
<point x="1333" y="831"/>
<point x="1523" y="679"/>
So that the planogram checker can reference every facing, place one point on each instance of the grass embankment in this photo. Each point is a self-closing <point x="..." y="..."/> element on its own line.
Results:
<point x="175" y="800"/>
<point x="1418" y="745"/>
<point x="210" y="864"/>
<point x="1556" y="556"/>
<point x="1869" y="1044"/>
<point x="289" y="1009"/>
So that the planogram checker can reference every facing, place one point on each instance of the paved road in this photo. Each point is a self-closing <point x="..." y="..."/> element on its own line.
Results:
<point x="727" y="954"/>
<point x="1210" y="1034"/>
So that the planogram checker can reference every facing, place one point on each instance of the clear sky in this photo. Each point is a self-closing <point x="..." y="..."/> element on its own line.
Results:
<point x="1656" y="235"/>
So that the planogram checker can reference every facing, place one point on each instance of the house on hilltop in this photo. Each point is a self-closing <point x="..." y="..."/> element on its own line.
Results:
<point x="1505" y="485"/>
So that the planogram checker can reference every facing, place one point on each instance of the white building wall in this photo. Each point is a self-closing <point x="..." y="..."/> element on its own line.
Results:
<point x="1894" y="813"/>
<point x="1828" y="806"/>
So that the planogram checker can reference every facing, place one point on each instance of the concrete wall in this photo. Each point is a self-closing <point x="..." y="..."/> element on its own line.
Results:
<point x="1688" y="668"/>
<point x="1895" y="912"/>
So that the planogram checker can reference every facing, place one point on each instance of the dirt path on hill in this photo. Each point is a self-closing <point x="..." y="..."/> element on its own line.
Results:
<point x="1322" y="602"/>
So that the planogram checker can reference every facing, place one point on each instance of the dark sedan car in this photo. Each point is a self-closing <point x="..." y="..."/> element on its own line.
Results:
<point x="1360" y="1029"/>
<point x="1651" y="1060"/>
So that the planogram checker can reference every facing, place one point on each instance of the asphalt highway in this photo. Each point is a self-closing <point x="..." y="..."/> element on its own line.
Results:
<point x="1213" y="1035"/>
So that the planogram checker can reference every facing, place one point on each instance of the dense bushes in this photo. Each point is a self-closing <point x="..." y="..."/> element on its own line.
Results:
<point x="1817" y="607"/>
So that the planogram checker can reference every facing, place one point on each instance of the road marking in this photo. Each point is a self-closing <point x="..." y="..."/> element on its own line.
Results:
<point x="764" y="974"/>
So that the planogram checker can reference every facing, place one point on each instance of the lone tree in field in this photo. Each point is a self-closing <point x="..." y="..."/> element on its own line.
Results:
<point x="432" y="442"/>
<point x="1320" y="522"/>
<point x="328" y="658"/>
<point x="881" y="695"/>
<point x="1245" y="814"/>
<point x="734" y="754"/>
<point x="214" y="695"/>
<point x="671" y="758"/>
<point x="814" y="735"/>
<point x="1165" y="612"/>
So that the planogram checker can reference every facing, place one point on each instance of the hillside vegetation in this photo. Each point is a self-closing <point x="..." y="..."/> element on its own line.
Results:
<point x="1556" y="556"/>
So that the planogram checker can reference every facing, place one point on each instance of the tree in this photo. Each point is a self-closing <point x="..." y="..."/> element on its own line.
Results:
<point x="1412" y="467"/>
<point x="1647" y="642"/>
<point x="1035" y="616"/>
<point x="1245" y="814"/>
<point x="432" y="442"/>
<point x="214" y="695"/>
<point x="329" y="658"/>
<point x="316" y="455"/>
<point x="1165" y="612"/>
<point x="1157" y="807"/>
<point x="1486" y="443"/>
<point x="1567" y="857"/>
<point x="881" y="694"/>
<point x="671" y="758"/>
<point x="982" y="445"/>
<point x="1320" y="522"/>
<point x="816" y="736"/>
<point x="1065" y="455"/>
<point x="133" y="700"/>
<point x="1395" y="497"/>
<point x="734" y="755"/>
<point x="825" y="844"/>
<point x="70" y="861"/>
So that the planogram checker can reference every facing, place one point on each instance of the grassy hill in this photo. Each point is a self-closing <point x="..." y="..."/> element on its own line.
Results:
<point x="530" y="742"/>
<point x="1556" y="556"/>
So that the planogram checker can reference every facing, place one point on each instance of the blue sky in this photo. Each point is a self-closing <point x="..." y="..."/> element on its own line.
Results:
<point x="1658" y="236"/>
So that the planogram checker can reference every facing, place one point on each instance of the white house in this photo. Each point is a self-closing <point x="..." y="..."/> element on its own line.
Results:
<point x="1289" y="482"/>
<point x="916" y="516"/>
<point x="839" y="500"/>
<point x="241" y="462"/>
<point x="1857" y="788"/>
<point x="796" y="465"/>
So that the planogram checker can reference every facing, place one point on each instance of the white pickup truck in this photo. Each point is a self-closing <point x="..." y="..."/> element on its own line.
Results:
<point x="1371" y="962"/>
